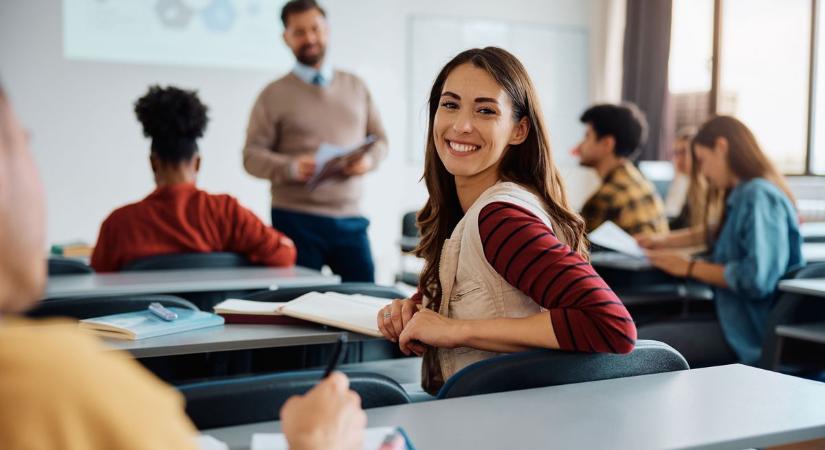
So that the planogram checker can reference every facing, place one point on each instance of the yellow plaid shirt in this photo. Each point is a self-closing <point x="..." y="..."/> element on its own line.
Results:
<point x="627" y="199"/>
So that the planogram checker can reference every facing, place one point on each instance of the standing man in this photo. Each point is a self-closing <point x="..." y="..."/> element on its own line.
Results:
<point x="292" y="117"/>
<point x="612" y="137"/>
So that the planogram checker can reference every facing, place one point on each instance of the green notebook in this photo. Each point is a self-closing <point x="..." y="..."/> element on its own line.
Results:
<point x="143" y="324"/>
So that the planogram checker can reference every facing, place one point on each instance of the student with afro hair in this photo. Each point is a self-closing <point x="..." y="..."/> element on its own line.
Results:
<point x="177" y="217"/>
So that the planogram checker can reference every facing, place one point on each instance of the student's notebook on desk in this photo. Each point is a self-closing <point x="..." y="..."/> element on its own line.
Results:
<point x="382" y="438"/>
<point x="143" y="324"/>
<point x="357" y="313"/>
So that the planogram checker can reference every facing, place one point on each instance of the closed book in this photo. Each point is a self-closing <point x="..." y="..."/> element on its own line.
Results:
<point x="143" y="324"/>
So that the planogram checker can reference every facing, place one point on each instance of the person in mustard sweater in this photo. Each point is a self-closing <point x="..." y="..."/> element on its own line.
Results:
<point x="177" y="217"/>
<point x="59" y="389"/>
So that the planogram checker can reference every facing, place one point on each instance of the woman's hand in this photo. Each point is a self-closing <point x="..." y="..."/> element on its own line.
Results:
<point x="430" y="328"/>
<point x="393" y="318"/>
<point x="651" y="241"/>
<point x="672" y="262"/>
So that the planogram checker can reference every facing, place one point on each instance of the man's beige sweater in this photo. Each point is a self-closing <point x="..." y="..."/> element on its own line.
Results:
<point x="292" y="118"/>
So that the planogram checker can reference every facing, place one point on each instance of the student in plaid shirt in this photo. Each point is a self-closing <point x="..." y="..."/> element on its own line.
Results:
<point x="614" y="133"/>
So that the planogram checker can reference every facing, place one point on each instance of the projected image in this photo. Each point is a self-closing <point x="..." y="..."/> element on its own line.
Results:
<point x="226" y="33"/>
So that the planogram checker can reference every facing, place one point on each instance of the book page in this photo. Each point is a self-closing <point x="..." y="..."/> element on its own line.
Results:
<point x="237" y="306"/>
<point x="356" y="313"/>
<point x="609" y="235"/>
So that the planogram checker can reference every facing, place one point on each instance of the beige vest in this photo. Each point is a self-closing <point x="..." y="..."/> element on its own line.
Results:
<point x="471" y="287"/>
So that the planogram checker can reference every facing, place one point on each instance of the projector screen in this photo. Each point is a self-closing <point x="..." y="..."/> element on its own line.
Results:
<point x="216" y="33"/>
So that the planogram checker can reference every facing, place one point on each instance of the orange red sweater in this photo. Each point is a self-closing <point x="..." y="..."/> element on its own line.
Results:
<point x="181" y="218"/>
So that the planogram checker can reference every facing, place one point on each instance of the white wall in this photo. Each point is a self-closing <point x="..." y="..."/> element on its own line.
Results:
<point x="93" y="157"/>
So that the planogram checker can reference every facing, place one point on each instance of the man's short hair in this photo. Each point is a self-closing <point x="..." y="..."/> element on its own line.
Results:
<point x="299" y="6"/>
<point x="625" y="122"/>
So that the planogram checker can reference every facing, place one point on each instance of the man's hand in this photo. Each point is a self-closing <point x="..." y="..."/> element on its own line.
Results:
<point x="358" y="166"/>
<point x="328" y="416"/>
<point x="302" y="168"/>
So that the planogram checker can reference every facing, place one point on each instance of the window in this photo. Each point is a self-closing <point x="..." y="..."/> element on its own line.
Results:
<point x="691" y="63"/>
<point x="818" y="132"/>
<point x="763" y="73"/>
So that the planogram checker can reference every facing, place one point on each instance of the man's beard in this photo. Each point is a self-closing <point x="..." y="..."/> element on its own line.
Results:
<point x="310" y="60"/>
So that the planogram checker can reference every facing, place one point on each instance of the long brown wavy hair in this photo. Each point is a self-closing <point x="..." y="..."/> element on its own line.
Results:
<point x="745" y="159"/>
<point x="529" y="164"/>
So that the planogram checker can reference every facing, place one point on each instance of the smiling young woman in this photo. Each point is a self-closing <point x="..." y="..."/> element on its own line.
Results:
<point x="505" y="261"/>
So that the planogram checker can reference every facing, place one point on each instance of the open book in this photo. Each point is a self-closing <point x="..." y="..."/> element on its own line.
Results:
<point x="610" y="236"/>
<point x="252" y="312"/>
<point x="332" y="160"/>
<point x="355" y="313"/>
<point x="143" y="324"/>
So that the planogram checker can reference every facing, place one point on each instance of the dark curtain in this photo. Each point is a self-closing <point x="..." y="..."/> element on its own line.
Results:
<point x="644" y="81"/>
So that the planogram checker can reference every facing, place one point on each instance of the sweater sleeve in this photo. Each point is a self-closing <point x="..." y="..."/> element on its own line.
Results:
<point x="260" y="158"/>
<point x="249" y="236"/>
<point x="586" y="314"/>
<point x="377" y="151"/>
<point x="103" y="256"/>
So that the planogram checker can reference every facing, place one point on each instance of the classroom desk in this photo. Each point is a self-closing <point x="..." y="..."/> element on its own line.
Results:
<point x="637" y="282"/>
<point x="188" y="280"/>
<point x="230" y="337"/>
<point x="813" y="251"/>
<point x="814" y="286"/>
<point x="722" y="407"/>
<point x="619" y="261"/>
<point x="813" y="231"/>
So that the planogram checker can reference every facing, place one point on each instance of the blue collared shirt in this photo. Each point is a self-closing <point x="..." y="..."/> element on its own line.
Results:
<point x="759" y="243"/>
<point x="308" y="74"/>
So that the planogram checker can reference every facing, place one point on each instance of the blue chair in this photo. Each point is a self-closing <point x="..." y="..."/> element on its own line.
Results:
<point x="250" y="399"/>
<point x="541" y="368"/>
<point x="791" y="308"/>
<point x="214" y="260"/>
<point x="87" y="307"/>
<point x="67" y="266"/>
<point x="290" y="293"/>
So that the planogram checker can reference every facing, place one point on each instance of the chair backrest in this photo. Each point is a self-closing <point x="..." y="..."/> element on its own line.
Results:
<point x="212" y="260"/>
<point x="408" y="225"/>
<point x="287" y="294"/>
<point x="791" y="308"/>
<point x="88" y="307"/>
<point x="249" y="399"/>
<point x="410" y="235"/>
<point x="540" y="368"/>
<point x="67" y="266"/>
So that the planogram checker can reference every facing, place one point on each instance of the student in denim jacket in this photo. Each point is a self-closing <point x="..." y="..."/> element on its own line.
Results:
<point x="753" y="244"/>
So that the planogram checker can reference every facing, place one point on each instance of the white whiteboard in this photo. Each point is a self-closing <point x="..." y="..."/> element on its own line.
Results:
<point x="556" y="57"/>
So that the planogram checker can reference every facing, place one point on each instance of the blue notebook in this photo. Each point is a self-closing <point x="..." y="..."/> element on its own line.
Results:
<point x="143" y="324"/>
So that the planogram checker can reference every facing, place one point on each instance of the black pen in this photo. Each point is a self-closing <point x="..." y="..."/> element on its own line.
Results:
<point x="337" y="354"/>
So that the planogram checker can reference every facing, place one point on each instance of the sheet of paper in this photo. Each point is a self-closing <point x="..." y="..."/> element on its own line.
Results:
<point x="373" y="438"/>
<point x="609" y="235"/>
<point x="207" y="442"/>
<point x="249" y="306"/>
